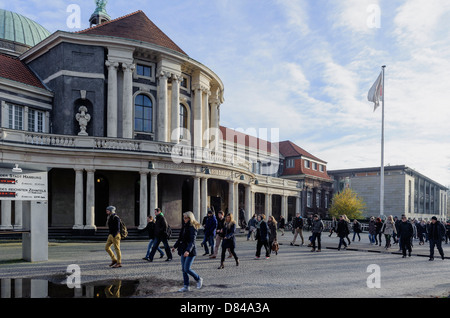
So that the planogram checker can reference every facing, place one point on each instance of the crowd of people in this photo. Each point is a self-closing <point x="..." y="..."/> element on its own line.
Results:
<point x="220" y="229"/>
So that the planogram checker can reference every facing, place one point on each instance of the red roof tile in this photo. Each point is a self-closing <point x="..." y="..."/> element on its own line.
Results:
<point x="289" y="149"/>
<point x="134" y="26"/>
<point x="234" y="136"/>
<point x="14" y="69"/>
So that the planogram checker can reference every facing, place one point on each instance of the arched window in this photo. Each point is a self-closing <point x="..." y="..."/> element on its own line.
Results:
<point x="143" y="114"/>
<point x="183" y="120"/>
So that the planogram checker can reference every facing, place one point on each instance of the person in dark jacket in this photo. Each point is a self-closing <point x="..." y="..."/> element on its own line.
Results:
<point x="342" y="232"/>
<point x="229" y="240"/>
<point x="150" y="228"/>
<point x="210" y="232"/>
<point x="282" y="225"/>
<point x="114" y="237"/>
<point x="378" y="226"/>
<point x="405" y="233"/>
<point x="160" y="236"/>
<point x="436" y="234"/>
<point x="262" y="236"/>
<point x="272" y="224"/>
<point x="219" y="233"/>
<point x="316" y="229"/>
<point x="185" y="246"/>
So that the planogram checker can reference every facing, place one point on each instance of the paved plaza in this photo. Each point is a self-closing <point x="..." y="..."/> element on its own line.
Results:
<point x="295" y="272"/>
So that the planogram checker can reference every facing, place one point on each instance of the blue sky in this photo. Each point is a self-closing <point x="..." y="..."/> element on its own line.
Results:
<point x="305" y="67"/>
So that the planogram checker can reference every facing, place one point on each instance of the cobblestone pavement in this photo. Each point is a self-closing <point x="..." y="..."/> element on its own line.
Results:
<point x="295" y="272"/>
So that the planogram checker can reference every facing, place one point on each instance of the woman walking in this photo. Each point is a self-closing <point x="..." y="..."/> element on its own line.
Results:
<point x="272" y="223"/>
<point x="356" y="229"/>
<point x="262" y="236"/>
<point x="378" y="226"/>
<point x="342" y="232"/>
<point x="186" y="249"/>
<point x="229" y="240"/>
<point x="388" y="229"/>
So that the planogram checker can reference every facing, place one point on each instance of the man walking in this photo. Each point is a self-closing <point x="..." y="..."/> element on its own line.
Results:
<point x="160" y="236"/>
<point x="342" y="232"/>
<point x="297" y="224"/>
<point x="113" y="237"/>
<point x="405" y="232"/>
<point x="210" y="232"/>
<point x="436" y="234"/>
<point x="316" y="229"/>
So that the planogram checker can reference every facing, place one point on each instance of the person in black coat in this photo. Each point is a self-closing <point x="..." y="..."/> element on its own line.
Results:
<point x="436" y="234"/>
<point x="150" y="228"/>
<point x="185" y="246"/>
<point x="405" y="232"/>
<point x="342" y="232"/>
<point x="160" y="236"/>
<point x="262" y="236"/>
<point x="229" y="240"/>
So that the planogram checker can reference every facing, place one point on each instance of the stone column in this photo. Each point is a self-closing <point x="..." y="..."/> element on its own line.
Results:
<point x="18" y="213"/>
<point x="112" y="99"/>
<point x="205" y="107"/>
<point x="231" y="196"/>
<point x="78" y="209"/>
<point x="90" y="200"/>
<point x="162" y="123"/>
<point x="6" y="215"/>
<point x="284" y="206"/>
<point x="196" y="199"/>
<point x="214" y="127"/>
<point x="143" y="201"/>
<point x="153" y="193"/>
<point x="175" y="109"/>
<point x="248" y="203"/>
<point x="204" y="198"/>
<point x="236" y="200"/>
<point x="127" y="105"/>
<point x="298" y="202"/>
<point x="197" y="131"/>
<point x="268" y="204"/>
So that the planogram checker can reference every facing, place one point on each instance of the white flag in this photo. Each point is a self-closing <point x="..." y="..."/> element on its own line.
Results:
<point x="376" y="92"/>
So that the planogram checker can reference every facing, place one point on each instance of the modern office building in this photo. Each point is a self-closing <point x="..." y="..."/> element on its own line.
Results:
<point x="406" y="191"/>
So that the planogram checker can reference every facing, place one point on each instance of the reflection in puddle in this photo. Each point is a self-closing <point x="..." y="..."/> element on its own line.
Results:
<point x="38" y="288"/>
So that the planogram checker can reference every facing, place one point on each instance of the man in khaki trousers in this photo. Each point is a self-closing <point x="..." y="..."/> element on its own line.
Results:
<point x="113" y="237"/>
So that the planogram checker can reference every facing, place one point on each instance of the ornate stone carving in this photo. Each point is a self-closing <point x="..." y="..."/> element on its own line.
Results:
<point x="83" y="119"/>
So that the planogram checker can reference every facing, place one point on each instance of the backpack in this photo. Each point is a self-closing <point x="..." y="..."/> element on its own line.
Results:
<point x="168" y="231"/>
<point x="123" y="229"/>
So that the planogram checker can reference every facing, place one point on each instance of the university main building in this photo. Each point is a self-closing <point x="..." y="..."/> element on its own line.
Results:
<point x="118" y="114"/>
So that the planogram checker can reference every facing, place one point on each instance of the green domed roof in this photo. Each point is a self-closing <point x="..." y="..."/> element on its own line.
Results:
<point x="17" y="28"/>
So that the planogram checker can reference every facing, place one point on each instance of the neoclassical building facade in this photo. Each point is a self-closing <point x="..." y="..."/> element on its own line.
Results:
<point x="118" y="114"/>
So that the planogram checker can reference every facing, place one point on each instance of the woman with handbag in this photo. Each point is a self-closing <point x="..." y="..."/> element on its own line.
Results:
<point x="186" y="249"/>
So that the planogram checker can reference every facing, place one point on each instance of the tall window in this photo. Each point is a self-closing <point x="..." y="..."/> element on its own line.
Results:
<point x="183" y="121"/>
<point x="36" y="120"/>
<point x="15" y="117"/>
<point x="143" y="114"/>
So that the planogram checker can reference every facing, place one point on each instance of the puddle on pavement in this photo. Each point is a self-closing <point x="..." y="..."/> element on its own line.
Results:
<point x="42" y="288"/>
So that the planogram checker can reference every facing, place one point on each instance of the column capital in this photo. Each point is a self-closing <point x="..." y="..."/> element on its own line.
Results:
<point x="111" y="64"/>
<point x="128" y="67"/>
<point x="164" y="75"/>
<point x="177" y="78"/>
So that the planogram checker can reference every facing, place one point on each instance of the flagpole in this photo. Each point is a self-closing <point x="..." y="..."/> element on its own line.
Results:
<point x="382" y="150"/>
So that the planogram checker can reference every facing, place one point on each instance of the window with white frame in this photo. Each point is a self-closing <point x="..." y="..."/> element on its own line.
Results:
<point x="290" y="163"/>
<point x="321" y="168"/>
<point x="144" y="70"/>
<point x="36" y="120"/>
<point x="143" y="114"/>
<point x="16" y="114"/>
<point x="314" y="166"/>
<point x="183" y="121"/>
<point x="307" y="164"/>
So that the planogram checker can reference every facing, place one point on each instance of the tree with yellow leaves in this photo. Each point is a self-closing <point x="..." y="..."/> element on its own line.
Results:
<point x="349" y="203"/>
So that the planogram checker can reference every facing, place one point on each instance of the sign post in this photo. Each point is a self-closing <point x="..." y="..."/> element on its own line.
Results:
<point x="31" y="187"/>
